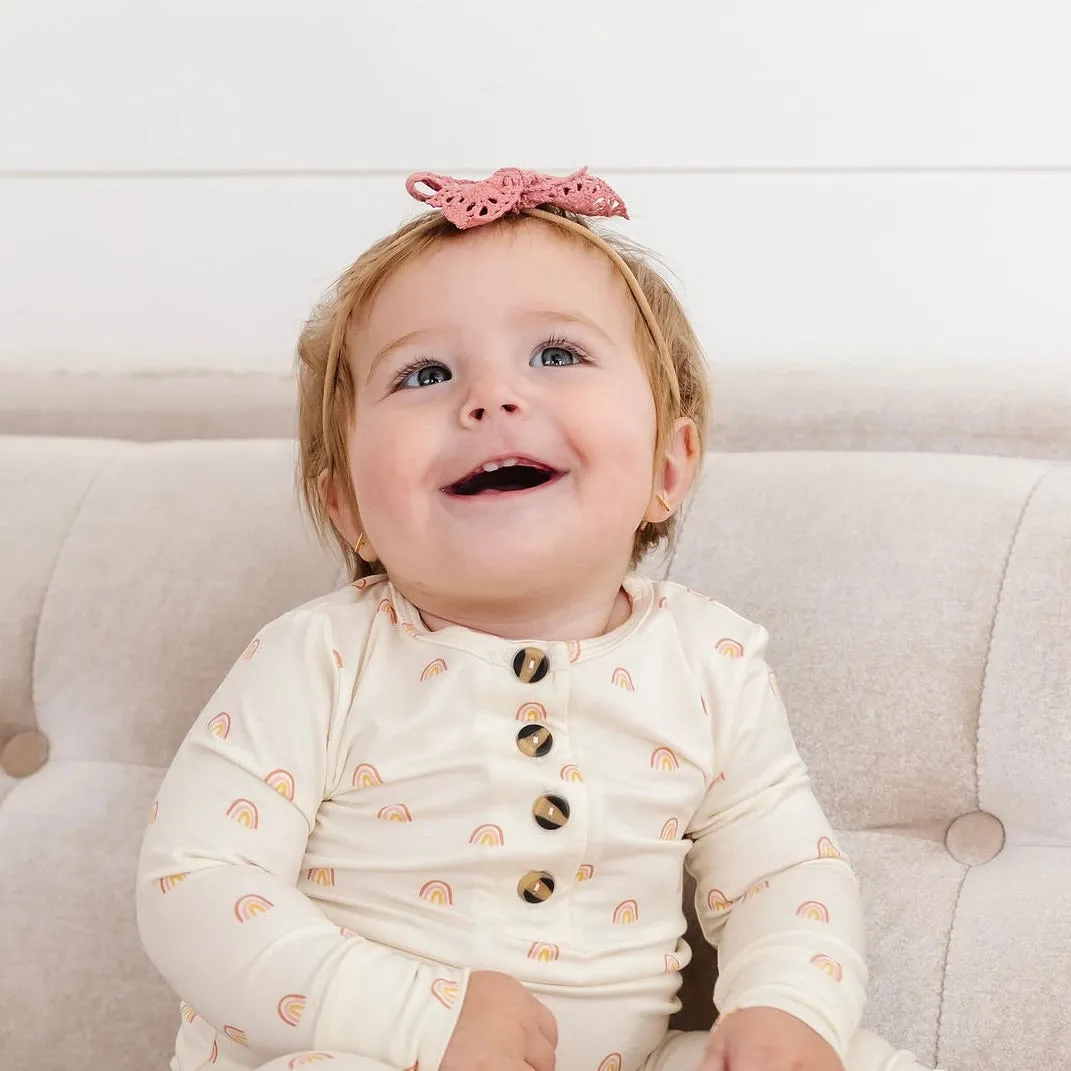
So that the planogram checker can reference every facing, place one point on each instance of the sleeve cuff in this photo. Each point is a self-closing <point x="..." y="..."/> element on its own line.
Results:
<point x="386" y="1006"/>
<point x="833" y="1009"/>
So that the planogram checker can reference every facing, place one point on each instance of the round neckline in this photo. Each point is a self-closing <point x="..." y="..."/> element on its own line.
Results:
<point x="638" y="589"/>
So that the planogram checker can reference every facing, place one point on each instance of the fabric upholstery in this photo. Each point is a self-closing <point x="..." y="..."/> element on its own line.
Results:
<point x="919" y="606"/>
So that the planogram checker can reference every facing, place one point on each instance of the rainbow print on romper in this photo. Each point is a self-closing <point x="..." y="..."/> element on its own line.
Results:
<point x="572" y="648"/>
<point x="718" y="901"/>
<point x="542" y="952"/>
<point x="170" y="882"/>
<point x="155" y="812"/>
<point x="662" y="758"/>
<point x="433" y="669"/>
<point x="672" y="964"/>
<point x="626" y="913"/>
<point x="571" y="773"/>
<point x="531" y="712"/>
<point x="386" y="608"/>
<point x="663" y="603"/>
<point x="828" y="966"/>
<point x="611" y="1063"/>
<point x="488" y="836"/>
<point x="621" y="678"/>
<point x="338" y="659"/>
<point x="321" y="875"/>
<point x="213" y="1056"/>
<point x="585" y="872"/>
<point x="437" y="892"/>
<point x="827" y="849"/>
<point x="249" y="906"/>
<point x="444" y="991"/>
<point x="729" y="647"/>
<point x="394" y="812"/>
<point x="669" y="830"/>
<point x="236" y="1035"/>
<point x="291" y="1008"/>
<point x="187" y="1012"/>
<point x="283" y="783"/>
<point x="366" y="776"/>
<point x="755" y="890"/>
<point x="245" y="813"/>
<point x="308" y="1058"/>
<point x="251" y="649"/>
<point x="220" y="725"/>
<point x="814" y="910"/>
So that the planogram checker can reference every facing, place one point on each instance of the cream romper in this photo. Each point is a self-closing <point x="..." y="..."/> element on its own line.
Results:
<point x="366" y="810"/>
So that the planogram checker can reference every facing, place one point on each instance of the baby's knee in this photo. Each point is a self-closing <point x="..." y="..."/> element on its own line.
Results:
<point x="681" y="1050"/>
<point x="869" y="1052"/>
<point x="338" y="1061"/>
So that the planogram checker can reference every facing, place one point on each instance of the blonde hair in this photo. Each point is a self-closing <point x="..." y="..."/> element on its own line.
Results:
<point x="676" y="370"/>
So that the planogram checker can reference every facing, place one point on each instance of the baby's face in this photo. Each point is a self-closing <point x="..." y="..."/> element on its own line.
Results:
<point x="503" y="344"/>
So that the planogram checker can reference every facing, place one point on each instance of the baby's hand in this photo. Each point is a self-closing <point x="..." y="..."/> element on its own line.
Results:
<point x="502" y="1027"/>
<point x="767" y="1039"/>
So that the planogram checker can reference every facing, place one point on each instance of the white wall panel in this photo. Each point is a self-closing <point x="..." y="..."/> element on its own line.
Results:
<point x="248" y="85"/>
<point x="169" y="273"/>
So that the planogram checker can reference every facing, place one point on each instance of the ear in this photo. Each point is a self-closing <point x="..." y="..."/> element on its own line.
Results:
<point x="342" y="517"/>
<point x="675" y="475"/>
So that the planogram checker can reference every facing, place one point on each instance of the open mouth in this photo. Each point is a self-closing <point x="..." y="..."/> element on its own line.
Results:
<point x="521" y="475"/>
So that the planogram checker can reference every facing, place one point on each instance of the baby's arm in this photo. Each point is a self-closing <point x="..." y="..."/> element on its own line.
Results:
<point x="771" y="891"/>
<point x="218" y="908"/>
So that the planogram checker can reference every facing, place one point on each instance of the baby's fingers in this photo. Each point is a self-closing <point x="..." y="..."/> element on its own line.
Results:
<point x="546" y="1024"/>
<point x="716" y="1058"/>
<point x="539" y="1054"/>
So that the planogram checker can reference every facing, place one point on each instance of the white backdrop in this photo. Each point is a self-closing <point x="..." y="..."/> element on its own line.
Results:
<point x="835" y="180"/>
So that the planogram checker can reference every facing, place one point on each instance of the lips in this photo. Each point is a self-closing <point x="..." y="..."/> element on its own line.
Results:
<point x="503" y="475"/>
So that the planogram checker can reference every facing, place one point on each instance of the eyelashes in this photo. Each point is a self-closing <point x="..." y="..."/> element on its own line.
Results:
<point x="559" y="342"/>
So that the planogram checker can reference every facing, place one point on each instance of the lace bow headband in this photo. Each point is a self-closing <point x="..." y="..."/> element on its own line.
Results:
<point x="470" y="203"/>
<point x="467" y="203"/>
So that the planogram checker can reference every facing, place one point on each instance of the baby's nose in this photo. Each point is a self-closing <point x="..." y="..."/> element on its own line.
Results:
<point x="480" y="412"/>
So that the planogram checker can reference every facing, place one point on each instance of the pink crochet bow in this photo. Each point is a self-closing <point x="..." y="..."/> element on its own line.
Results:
<point x="466" y="203"/>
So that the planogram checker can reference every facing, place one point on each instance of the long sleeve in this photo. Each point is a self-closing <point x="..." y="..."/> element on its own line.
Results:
<point x="772" y="891"/>
<point x="220" y="908"/>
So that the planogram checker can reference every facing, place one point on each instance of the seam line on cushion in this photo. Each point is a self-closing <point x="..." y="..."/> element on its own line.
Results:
<point x="992" y="630"/>
<point x="90" y="484"/>
<point x="944" y="970"/>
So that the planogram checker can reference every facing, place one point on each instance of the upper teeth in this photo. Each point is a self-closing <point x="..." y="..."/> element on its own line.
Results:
<point x="490" y="466"/>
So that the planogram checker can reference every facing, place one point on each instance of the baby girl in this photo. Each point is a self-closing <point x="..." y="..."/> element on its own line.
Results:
<point x="440" y="818"/>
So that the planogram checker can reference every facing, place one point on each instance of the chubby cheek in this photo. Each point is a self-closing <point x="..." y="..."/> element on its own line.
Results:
<point x="388" y="462"/>
<point x="618" y="440"/>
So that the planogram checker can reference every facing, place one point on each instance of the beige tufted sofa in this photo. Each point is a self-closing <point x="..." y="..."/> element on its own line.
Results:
<point x="917" y="587"/>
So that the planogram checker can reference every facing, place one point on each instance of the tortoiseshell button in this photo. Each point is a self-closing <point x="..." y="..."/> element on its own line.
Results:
<point x="535" y="887"/>
<point x="530" y="665"/>
<point x="535" y="741"/>
<point x="551" y="812"/>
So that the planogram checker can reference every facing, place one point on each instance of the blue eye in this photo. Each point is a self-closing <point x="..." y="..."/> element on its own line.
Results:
<point x="424" y="375"/>
<point x="554" y="356"/>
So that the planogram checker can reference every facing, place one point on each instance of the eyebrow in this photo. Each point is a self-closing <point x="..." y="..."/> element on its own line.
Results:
<point x="535" y="316"/>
